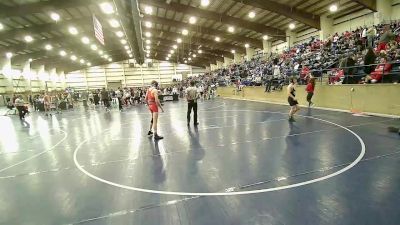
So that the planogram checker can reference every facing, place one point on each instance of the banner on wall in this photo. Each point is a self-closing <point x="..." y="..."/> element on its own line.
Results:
<point x="98" y="30"/>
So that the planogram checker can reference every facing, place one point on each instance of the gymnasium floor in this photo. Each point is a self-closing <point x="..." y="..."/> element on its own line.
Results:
<point x="244" y="164"/>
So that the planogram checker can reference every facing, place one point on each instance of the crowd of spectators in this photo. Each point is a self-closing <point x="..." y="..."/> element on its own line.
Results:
<point x="364" y="55"/>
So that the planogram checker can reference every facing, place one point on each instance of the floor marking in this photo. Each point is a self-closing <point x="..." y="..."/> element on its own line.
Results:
<point x="38" y="154"/>
<point x="171" y="202"/>
<point x="360" y="156"/>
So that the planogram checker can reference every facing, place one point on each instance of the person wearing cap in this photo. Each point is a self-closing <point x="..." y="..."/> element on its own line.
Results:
<point x="153" y="102"/>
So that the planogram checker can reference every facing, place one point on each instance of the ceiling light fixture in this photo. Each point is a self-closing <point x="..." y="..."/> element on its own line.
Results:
<point x="192" y="20"/>
<point x="30" y="60"/>
<point x="101" y="52"/>
<point x="63" y="53"/>
<point x="1" y="26"/>
<point x="148" y="51"/>
<point x="233" y="51"/>
<point x="73" y="30"/>
<point x="172" y="51"/>
<point x="185" y="32"/>
<point x="147" y="34"/>
<point x="93" y="47"/>
<point x="292" y="26"/>
<point x="190" y="59"/>
<point x="107" y="8"/>
<point x="148" y="24"/>
<point x="48" y="47"/>
<point x="179" y="40"/>
<point x="194" y="55"/>
<point x="167" y="58"/>
<point x="85" y="40"/>
<point x="82" y="61"/>
<point x="114" y="23"/>
<point x="185" y="61"/>
<point x="55" y="16"/>
<point x="246" y="45"/>
<point x="88" y="64"/>
<point x="73" y="57"/>
<point x="333" y="8"/>
<point x="129" y="51"/>
<point x="123" y="41"/>
<point x="205" y="3"/>
<point x="217" y="39"/>
<point x="252" y="14"/>
<point x="119" y="33"/>
<point x="130" y="55"/>
<point x="28" y="38"/>
<point x="148" y="42"/>
<point x="265" y="37"/>
<point x="9" y="55"/>
<point x="148" y="47"/>
<point x="110" y="60"/>
<point x="175" y="46"/>
<point x="169" y="55"/>
<point x="200" y="51"/>
<point x="231" y="29"/>
<point x="126" y="47"/>
<point x="148" y="10"/>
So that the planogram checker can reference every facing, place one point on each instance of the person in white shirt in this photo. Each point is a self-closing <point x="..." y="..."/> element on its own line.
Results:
<point x="20" y="105"/>
<point x="175" y="90"/>
<point x="200" y="90"/>
<point x="118" y="94"/>
<point x="192" y="95"/>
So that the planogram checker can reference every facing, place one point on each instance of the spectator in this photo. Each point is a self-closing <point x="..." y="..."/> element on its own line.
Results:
<point x="349" y="70"/>
<point x="369" y="59"/>
<point x="385" y="38"/>
<point x="371" y="34"/>
<point x="380" y="70"/>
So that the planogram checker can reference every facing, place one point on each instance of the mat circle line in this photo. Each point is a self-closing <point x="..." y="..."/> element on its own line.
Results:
<point x="233" y="193"/>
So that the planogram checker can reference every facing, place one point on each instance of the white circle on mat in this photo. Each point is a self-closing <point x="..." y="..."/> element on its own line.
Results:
<point x="230" y="192"/>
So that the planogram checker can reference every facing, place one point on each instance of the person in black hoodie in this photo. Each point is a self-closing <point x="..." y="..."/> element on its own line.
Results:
<point x="369" y="59"/>
<point x="349" y="70"/>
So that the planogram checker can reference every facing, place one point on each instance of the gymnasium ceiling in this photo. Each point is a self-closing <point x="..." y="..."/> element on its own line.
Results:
<point x="29" y="27"/>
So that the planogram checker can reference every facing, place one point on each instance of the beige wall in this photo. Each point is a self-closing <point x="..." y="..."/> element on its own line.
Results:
<point x="382" y="99"/>
<point x="129" y="74"/>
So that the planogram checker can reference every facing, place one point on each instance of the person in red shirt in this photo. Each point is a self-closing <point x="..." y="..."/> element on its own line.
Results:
<point x="382" y="69"/>
<point x="310" y="91"/>
<point x="304" y="74"/>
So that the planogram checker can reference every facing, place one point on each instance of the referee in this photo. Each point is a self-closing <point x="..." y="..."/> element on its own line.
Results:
<point x="192" y="96"/>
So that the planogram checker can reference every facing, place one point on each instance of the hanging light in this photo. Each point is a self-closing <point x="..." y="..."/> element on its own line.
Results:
<point x="333" y="8"/>
<point x="265" y="37"/>
<point x="148" y="10"/>
<point x="217" y="39"/>
<point x="73" y="30"/>
<point x="246" y="45"/>
<point x="185" y="32"/>
<point x="179" y="40"/>
<point x="107" y="8"/>
<point x="175" y="46"/>
<point x="205" y="3"/>
<point x="55" y="16"/>
<point x="192" y="20"/>
<point x="48" y="47"/>
<point x="119" y="33"/>
<point x="292" y="26"/>
<point x="93" y="47"/>
<point x="85" y="40"/>
<point x="28" y="38"/>
<point x="231" y="29"/>
<point x="252" y="14"/>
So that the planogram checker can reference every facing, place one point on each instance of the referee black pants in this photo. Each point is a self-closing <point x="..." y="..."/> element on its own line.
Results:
<point x="192" y="105"/>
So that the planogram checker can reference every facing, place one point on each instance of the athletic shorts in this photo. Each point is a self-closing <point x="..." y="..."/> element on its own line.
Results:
<point x="292" y="102"/>
<point x="153" y="108"/>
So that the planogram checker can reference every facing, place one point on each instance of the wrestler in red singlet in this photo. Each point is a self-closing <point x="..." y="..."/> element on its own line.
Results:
<point x="154" y="103"/>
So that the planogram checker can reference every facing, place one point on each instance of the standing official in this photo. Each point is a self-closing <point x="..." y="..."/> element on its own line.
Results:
<point x="192" y="96"/>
